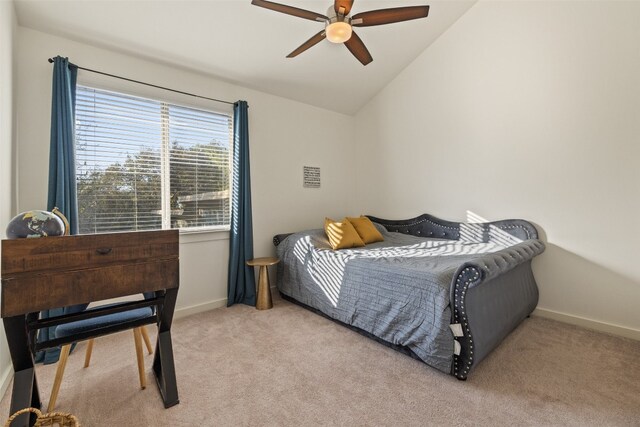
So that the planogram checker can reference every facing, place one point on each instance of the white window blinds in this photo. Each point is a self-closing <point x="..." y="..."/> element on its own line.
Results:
<point x="144" y="164"/>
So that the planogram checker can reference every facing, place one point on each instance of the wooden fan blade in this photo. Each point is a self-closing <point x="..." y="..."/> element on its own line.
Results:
<point x="358" y="49"/>
<point x="389" y="16"/>
<point x="306" y="45"/>
<point x="289" y="10"/>
<point x="346" y="4"/>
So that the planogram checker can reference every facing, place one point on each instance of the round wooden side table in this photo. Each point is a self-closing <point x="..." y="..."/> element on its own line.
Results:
<point x="263" y="298"/>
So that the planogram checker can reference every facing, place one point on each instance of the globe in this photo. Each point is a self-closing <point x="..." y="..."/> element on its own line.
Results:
<point x="37" y="224"/>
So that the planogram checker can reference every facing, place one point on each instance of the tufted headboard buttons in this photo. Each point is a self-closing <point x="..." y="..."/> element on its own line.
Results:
<point x="429" y="226"/>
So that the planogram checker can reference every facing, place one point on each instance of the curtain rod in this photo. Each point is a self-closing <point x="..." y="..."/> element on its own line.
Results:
<point x="147" y="84"/>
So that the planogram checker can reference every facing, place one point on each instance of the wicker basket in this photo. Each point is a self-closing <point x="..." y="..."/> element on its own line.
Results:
<point x="52" y="419"/>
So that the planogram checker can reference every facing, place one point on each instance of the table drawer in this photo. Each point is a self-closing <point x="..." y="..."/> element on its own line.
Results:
<point x="85" y="251"/>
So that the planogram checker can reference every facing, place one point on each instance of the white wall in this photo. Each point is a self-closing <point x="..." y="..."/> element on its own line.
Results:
<point x="8" y="27"/>
<point x="526" y="110"/>
<point x="284" y="136"/>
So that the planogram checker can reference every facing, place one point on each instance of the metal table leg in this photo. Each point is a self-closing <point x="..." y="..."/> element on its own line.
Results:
<point x="25" y="386"/>
<point x="163" y="364"/>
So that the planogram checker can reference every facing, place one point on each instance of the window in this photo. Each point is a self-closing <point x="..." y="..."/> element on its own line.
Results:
<point x="143" y="164"/>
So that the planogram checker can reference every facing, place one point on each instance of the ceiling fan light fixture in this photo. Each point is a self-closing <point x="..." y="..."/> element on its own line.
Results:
<point x="338" y="32"/>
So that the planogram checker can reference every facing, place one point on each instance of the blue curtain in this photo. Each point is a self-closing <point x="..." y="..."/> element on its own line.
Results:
<point x="62" y="172"/>
<point x="62" y="151"/>
<point x="241" y="286"/>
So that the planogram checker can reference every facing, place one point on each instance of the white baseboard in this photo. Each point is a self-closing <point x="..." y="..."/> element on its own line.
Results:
<point x="5" y="380"/>
<point x="199" y="308"/>
<point x="584" y="322"/>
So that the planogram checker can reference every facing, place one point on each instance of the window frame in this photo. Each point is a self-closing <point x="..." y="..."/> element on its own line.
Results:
<point x="173" y="98"/>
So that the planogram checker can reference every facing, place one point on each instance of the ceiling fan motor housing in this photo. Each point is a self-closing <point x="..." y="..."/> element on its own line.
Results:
<point x="335" y="17"/>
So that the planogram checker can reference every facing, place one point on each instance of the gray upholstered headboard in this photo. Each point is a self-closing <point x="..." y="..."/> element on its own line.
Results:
<point x="427" y="225"/>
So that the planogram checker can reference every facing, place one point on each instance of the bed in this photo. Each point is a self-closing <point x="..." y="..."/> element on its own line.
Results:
<point x="446" y="293"/>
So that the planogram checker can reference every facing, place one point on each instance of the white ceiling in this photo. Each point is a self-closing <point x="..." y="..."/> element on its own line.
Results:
<point x="245" y="44"/>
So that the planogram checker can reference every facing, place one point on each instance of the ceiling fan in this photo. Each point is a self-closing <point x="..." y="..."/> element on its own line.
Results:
<point x="338" y="23"/>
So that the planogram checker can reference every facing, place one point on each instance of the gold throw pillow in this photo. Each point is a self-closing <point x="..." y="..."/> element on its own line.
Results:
<point x="366" y="230"/>
<point x="341" y="234"/>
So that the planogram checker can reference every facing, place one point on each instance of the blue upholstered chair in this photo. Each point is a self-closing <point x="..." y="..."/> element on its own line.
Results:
<point x="79" y="326"/>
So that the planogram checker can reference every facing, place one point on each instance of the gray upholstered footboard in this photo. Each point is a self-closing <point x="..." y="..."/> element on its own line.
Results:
<point x="490" y="297"/>
<point x="488" y="308"/>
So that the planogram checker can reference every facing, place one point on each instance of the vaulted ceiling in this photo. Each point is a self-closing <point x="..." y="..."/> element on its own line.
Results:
<point x="244" y="44"/>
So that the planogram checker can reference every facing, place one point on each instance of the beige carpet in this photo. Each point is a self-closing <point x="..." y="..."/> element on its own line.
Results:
<point x="288" y="366"/>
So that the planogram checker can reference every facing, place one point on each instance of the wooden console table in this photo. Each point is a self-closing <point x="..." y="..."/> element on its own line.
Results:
<point x="46" y="273"/>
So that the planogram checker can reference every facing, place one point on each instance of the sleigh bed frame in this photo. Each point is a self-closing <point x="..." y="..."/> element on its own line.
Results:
<point x="489" y="296"/>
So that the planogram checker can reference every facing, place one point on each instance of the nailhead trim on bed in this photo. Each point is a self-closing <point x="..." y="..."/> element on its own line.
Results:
<point x="462" y="364"/>
<point x="404" y="228"/>
<point x="420" y="222"/>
